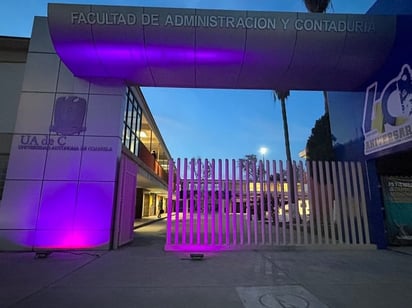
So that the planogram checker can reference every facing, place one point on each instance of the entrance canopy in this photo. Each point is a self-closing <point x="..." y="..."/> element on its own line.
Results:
<point x="221" y="49"/>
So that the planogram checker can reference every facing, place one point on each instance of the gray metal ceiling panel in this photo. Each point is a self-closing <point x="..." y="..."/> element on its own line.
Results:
<point x="268" y="52"/>
<point x="170" y="47"/>
<point x="219" y="49"/>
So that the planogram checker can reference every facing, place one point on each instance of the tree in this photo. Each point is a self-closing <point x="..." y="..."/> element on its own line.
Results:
<point x="282" y="95"/>
<point x="319" y="144"/>
<point x="248" y="167"/>
<point x="202" y="168"/>
<point x="317" y="6"/>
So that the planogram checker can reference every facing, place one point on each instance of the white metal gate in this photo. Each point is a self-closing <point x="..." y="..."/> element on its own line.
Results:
<point x="229" y="204"/>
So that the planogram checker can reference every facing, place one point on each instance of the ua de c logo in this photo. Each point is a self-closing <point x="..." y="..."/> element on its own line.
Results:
<point x="69" y="114"/>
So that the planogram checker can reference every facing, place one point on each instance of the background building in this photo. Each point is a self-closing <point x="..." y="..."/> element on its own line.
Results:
<point x="143" y="143"/>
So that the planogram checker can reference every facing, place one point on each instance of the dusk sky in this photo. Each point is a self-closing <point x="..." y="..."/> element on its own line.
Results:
<point x="210" y="123"/>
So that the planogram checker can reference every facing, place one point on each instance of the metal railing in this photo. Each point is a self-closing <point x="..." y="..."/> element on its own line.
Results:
<point x="228" y="204"/>
<point x="150" y="161"/>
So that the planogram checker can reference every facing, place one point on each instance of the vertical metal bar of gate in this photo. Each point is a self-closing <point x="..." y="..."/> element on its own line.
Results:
<point x="323" y="201"/>
<point x="269" y="201"/>
<point x="358" y="218"/>
<point x="316" y="199"/>
<point x="304" y="203"/>
<point x="311" y="204"/>
<point x="213" y="203"/>
<point x="226" y="208"/>
<point x="330" y="202"/>
<point x="343" y="204"/>
<point x="350" y="204"/>
<point x="338" y="204"/>
<point x="198" y="200"/>
<point x="177" y="206"/>
<point x="170" y="203"/>
<point x="282" y="202"/>
<point x="206" y="203"/>
<point x="276" y="202"/>
<point x="291" y="201"/>
<point x="255" y="210"/>
<point x="241" y="220"/>
<point x="248" y="214"/>
<point x="220" y="203"/>
<point x="296" y="205"/>
<point x="192" y="199"/>
<point x="363" y="204"/>
<point x="184" y="201"/>
<point x="234" y="194"/>
<point x="261" y="209"/>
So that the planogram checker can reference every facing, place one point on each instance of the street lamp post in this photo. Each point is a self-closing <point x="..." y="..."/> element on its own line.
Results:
<point x="263" y="151"/>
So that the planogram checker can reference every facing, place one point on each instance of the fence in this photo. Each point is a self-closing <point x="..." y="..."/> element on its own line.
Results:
<point x="228" y="204"/>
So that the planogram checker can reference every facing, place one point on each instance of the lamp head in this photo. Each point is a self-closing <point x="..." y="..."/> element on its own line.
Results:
<point x="263" y="150"/>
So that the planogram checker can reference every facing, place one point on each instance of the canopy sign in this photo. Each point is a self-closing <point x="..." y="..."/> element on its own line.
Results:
<point x="220" y="49"/>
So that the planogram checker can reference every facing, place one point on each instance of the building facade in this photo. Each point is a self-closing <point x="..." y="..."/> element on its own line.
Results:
<point x="79" y="160"/>
<point x="77" y="137"/>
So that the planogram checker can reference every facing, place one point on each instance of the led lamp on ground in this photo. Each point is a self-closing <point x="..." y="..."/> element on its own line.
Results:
<point x="196" y="256"/>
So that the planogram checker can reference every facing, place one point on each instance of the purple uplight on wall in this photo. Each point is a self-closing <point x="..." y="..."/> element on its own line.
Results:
<point x="72" y="239"/>
<point x="74" y="216"/>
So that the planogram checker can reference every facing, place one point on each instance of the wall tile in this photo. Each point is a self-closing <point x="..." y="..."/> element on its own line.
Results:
<point x="95" y="205"/>
<point x="108" y="88"/>
<point x="34" y="113"/>
<point x="57" y="205"/>
<point x="68" y="83"/>
<point x="100" y="158"/>
<point x="63" y="158"/>
<point x="72" y="239"/>
<point x="27" y="158"/>
<point x="41" y="72"/>
<point x="105" y="115"/>
<point x="17" y="240"/>
<point x="20" y="203"/>
<point x="40" y="38"/>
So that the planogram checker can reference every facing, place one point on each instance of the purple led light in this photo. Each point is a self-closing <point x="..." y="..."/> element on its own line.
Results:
<point x="74" y="217"/>
<point x="71" y="239"/>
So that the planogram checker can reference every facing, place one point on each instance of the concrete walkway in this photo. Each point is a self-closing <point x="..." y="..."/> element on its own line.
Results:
<point x="144" y="275"/>
<point x="144" y="221"/>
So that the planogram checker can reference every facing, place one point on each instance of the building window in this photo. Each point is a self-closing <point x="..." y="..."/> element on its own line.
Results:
<point x="132" y="123"/>
<point x="4" y="160"/>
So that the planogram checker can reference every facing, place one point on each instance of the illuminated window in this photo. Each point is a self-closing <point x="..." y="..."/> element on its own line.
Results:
<point x="4" y="159"/>
<point x="131" y="123"/>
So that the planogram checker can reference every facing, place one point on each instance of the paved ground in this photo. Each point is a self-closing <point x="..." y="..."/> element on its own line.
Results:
<point x="143" y="275"/>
